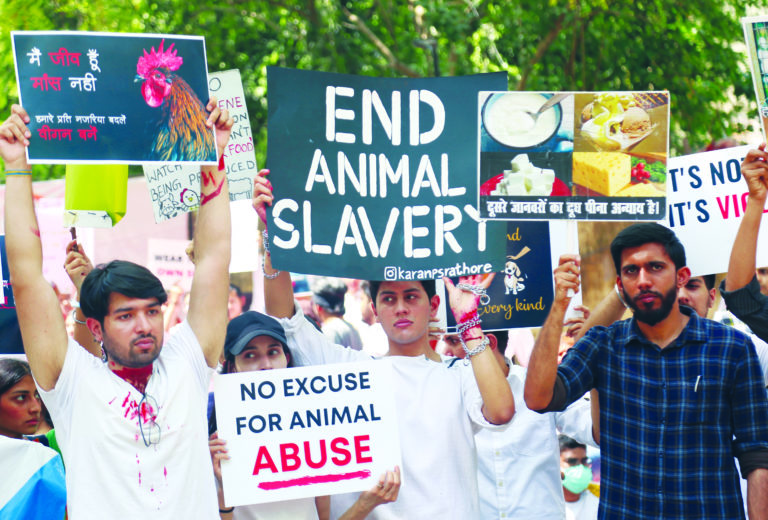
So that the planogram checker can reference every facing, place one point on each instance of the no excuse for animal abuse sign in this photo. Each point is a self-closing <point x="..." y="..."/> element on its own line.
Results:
<point x="304" y="432"/>
<point x="375" y="178"/>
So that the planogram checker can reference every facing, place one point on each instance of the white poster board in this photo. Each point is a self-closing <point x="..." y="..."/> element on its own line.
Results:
<point x="168" y="260"/>
<point x="707" y="195"/>
<point x="306" y="431"/>
<point x="175" y="188"/>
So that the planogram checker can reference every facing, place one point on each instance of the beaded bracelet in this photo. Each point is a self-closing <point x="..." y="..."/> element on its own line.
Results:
<point x="18" y="172"/>
<point x="264" y="258"/>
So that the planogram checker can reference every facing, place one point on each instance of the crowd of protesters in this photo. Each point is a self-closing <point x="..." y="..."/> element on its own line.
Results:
<point x="118" y="383"/>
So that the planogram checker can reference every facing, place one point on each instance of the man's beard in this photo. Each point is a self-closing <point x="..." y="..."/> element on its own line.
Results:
<point x="652" y="316"/>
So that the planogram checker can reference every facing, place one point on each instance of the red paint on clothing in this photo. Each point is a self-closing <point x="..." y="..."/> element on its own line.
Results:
<point x="136" y="377"/>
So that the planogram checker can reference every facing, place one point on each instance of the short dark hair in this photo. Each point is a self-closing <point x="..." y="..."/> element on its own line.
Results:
<point x="645" y="233"/>
<point x="502" y="338"/>
<point x="118" y="276"/>
<point x="329" y="293"/>
<point x="566" y="443"/>
<point x="375" y="285"/>
<point x="11" y="372"/>
<point x="709" y="281"/>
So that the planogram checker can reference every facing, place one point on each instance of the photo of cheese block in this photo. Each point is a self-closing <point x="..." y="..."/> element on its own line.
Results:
<point x="640" y="190"/>
<point x="603" y="172"/>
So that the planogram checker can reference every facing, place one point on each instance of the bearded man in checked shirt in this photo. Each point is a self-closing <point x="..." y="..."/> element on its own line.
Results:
<point x="680" y="395"/>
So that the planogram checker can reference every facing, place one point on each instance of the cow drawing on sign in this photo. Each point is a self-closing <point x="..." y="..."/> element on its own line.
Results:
<point x="513" y="276"/>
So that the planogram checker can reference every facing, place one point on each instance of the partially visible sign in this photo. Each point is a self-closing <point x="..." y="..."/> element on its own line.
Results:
<point x="168" y="260"/>
<point x="521" y="295"/>
<point x="175" y="188"/>
<point x="308" y="431"/>
<point x="374" y="177"/>
<point x="756" y="36"/>
<point x="707" y="198"/>
<point x="114" y="98"/>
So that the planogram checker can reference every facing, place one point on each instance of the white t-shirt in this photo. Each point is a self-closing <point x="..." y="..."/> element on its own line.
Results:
<point x="585" y="508"/>
<point x="300" y="509"/>
<point x="519" y="468"/>
<point x="439" y="409"/>
<point x="110" y="472"/>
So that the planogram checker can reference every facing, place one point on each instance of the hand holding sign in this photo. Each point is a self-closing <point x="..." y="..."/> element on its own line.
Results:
<point x="262" y="195"/>
<point x="566" y="279"/>
<point x="14" y="137"/>
<point x="755" y="171"/>
<point x="77" y="264"/>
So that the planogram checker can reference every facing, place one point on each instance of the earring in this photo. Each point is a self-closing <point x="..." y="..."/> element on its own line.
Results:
<point x="103" y="353"/>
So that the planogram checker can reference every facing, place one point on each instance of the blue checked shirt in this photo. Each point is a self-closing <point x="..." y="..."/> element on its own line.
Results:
<point x="672" y="419"/>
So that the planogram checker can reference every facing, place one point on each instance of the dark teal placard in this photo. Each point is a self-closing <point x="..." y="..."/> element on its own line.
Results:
<point x="336" y="221"/>
<point x="98" y="76"/>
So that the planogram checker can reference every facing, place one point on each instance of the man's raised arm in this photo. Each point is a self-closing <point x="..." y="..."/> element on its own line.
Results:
<point x="40" y="320"/>
<point x="741" y="265"/>
<point x="542" y="367"/>
<point x="278" y="288"/>
<point x="210" y="285"/>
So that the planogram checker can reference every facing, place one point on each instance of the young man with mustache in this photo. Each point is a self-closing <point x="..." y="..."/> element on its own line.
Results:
<point x="673" y="386"/>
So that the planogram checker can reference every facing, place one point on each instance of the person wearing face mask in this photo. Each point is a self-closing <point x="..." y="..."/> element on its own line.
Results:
<point x="576" y="470"/>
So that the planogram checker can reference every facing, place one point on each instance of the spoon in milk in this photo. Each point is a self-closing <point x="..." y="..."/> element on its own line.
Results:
<point x="554" y="100"/>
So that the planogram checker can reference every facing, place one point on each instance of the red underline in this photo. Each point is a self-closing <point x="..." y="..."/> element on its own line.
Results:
<point x="318" y="479"/>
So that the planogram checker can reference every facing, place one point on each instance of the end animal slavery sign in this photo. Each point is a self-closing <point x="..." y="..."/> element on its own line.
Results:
<point x="375" y="178"/>
<point x="304" y="432"/>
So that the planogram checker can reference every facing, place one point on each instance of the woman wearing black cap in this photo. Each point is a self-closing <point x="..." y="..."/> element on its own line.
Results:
<point x="256" y="341"/>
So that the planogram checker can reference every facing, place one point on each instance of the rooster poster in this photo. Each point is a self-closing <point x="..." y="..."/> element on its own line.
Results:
<point x="114" y="97"/>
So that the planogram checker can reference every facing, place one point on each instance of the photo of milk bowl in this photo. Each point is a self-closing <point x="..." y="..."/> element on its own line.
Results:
<point x="510" y="119"/>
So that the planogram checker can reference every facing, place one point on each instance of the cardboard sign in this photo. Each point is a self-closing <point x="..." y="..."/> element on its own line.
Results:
<point x="707" y="198"/>
<point x="175" y="188"/>
<point x="168" y="260"/>
<point x="590" y="156"/>
<point x="373" y="177"/>
<point x="114" y="98"/>
<point x="304" y="432"/>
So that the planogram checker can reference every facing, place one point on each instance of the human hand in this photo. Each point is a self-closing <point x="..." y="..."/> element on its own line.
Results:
<point x="434" y="333"/>
<point x="262" y="194"/>
<point x="567" y="279"/>
<point x="574" y="324"/>
<point x="218" y="449"/>
<point x="385" y="491"/>
<point x="14" y="138"/>
<point x="221" y="120"/>
<point x="77" y="264"/>
<point x="463" y="302"/>
<point x="755" y="172"/>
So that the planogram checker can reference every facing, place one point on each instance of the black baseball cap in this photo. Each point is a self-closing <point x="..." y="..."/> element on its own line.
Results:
<point x="248" y="325"/>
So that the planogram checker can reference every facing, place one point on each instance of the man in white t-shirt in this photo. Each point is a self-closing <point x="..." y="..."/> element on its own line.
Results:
<point x="432" y="398"/>
<point x="133" y="430"/>
<point x="519" y="468"/>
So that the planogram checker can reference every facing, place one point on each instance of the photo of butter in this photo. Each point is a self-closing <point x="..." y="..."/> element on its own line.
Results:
<point x="524" y="178"/>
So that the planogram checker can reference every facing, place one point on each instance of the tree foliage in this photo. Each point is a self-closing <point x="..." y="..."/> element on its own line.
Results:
<point x="692" y="49"/>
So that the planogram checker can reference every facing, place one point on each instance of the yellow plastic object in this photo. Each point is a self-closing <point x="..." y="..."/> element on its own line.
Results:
<point x="96" y="195"/>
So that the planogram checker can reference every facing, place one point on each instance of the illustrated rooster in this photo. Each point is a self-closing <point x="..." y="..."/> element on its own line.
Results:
<point x="180" y="134"/>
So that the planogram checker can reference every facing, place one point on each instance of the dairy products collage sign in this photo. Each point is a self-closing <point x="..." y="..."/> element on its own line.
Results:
<point x="573" y="155"/>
